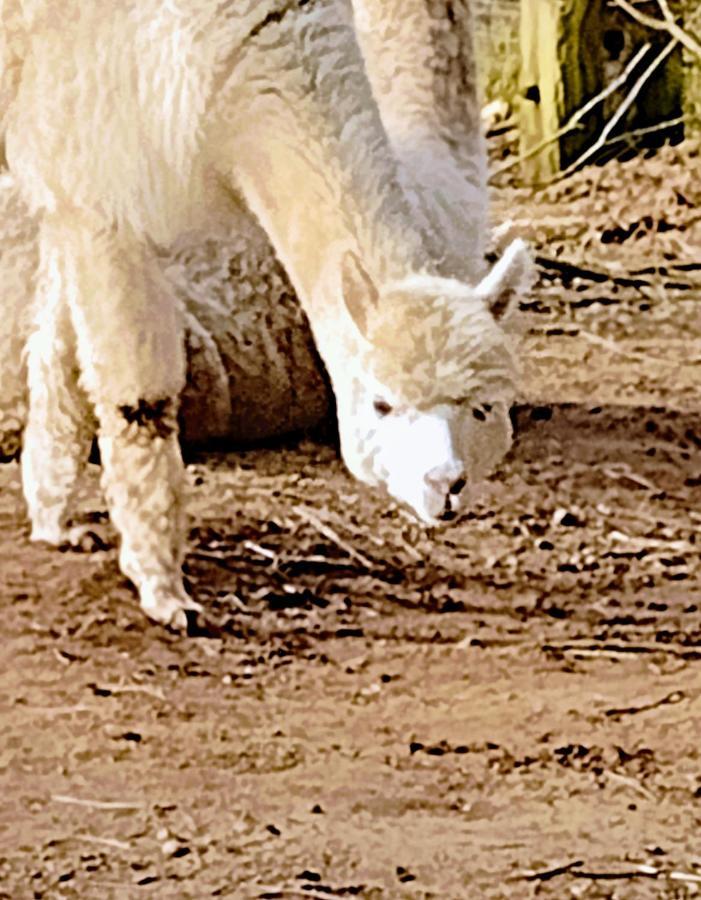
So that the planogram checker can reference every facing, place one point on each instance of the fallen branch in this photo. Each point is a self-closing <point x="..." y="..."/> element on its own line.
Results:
<point x="622" y="109"/>
<point x="572" y="270"/>
<point x="668" y="23"/>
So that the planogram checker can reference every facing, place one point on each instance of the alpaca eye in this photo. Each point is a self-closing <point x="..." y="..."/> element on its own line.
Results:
<point x="382" y="408"/>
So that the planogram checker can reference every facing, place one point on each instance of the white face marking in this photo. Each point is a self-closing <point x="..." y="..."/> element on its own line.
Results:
<point x="428" y="460"/>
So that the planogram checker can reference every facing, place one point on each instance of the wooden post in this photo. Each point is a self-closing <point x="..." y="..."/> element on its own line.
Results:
<point x="560" y="68"/>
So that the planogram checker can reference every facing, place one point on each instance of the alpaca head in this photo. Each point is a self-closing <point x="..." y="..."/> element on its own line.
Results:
<point x="424" y="386"/>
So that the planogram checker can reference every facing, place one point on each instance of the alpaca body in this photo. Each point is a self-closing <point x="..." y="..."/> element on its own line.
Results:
<point x="128" y="127"/>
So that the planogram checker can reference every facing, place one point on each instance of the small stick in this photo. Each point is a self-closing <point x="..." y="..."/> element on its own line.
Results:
<point x="216" y="558"/>
<point x="673" y="698"/>
<point x="553" y="873"/>
<point x="261" y="551"/>
<point x="615" y="347"/>
<point x="631" y="783"/>
<point x="329" y="533"/>
<point x="97" y="804"/>
<point x="108" y="842"/>
<point x="61" y="710"/>
<point x="614" y="652"/>
<point x="614" y="876"/>
<point x="572" y="270"/>
<point x="685" y="876"/>
<point x="623" y="471"/>
<point x="293" y="893"/>
<point x="131" y="689"/>
<point x="604" y="651"/>
<point x="86" y="623"/>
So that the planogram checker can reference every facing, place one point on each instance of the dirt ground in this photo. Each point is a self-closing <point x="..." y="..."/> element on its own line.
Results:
<point x="504" y="708"/>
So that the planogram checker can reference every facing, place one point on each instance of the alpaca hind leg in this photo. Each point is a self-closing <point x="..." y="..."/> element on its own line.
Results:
<point x="130" y="351"/>
<point x="19" y="261"/>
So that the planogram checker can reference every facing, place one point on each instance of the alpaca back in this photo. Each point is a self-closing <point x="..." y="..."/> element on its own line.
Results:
<point x="105" y="103"/>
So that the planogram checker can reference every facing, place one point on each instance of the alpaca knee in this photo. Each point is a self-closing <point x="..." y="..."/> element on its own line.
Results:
<point x="151" y="419"/>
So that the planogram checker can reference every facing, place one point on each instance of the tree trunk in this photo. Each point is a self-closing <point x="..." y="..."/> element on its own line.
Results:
<point x="560" y="68"/>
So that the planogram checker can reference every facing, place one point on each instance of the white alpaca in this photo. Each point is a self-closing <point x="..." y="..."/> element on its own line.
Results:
<point x="130" y="124"/>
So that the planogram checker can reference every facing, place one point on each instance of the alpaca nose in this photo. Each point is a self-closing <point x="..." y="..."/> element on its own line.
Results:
<point x="458" y="486"/>
<point x="448" y="479"/>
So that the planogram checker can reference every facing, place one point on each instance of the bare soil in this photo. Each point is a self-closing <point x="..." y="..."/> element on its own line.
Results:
<point x="505" y="708"/>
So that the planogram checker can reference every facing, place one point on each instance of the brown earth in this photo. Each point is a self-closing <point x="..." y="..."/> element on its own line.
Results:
<point x="505" y="708"/>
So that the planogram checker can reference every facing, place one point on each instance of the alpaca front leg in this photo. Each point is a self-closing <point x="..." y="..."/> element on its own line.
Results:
<point x="143" y="483"/>
<point x="130" y="350"/>
<point x="59" y="426"/>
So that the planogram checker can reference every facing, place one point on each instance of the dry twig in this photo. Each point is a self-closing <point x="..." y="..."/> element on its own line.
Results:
<point x="97" y="804"/>
<point x="631" y="783"/>
<point x="547" y="874"/>
<point x="615" y="347"/>
<point x="332" y="535"/>
<point x="131" y="689"/>
<point x="106" y="842"/>
<point x="673" y="698"/>
<point x="576" y="117"/>
<point x="623" y="107"/>
<point x="572" y="270"/>
<point x="618" y="651"/>
<point x="667" y="24"/>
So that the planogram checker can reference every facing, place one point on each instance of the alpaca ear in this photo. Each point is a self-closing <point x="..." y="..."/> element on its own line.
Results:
<point x="359" y="292"/>
<point x="511" y="277"/>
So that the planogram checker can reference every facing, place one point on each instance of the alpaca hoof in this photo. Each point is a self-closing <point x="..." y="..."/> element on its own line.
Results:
<point x="84" y="539"/>
<point x="80" y="538"/>
<point x="172" y="608"/>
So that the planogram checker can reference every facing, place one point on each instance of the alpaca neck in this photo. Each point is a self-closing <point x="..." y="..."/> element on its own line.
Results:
<point x="303" y="141"/>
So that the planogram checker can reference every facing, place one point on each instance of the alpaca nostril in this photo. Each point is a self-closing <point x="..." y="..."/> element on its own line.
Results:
<point x="447" y="479"/>
<point x="457" y="487"/>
